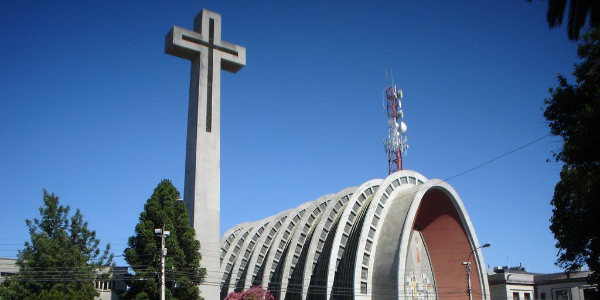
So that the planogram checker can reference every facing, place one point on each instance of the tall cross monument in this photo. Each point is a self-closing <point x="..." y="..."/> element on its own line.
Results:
<point x="209" y="54"/>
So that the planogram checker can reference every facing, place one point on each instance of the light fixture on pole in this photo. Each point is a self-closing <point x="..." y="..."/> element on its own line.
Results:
<point x="467" y="265"/>
<point x="163" y="253"/>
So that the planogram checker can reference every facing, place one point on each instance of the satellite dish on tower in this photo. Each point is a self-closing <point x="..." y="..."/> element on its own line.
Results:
<point x="403" y="127"/>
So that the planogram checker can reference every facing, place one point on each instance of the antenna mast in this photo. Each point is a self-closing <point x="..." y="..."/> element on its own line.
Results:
<point x="395" y="144"/>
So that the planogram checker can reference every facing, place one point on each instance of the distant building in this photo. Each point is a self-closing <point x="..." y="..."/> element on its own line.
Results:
<point x="7" y="268"/>
<point x="518" y="284"/>
<point x="107" y="290"/>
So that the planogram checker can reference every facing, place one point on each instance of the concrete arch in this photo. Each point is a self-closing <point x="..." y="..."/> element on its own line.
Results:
<point x="241" y="264"/>
<point x="323" y="228"/>
<point x="346" y="222"/>
<point x="280" y="242"/>
<point x="437" y="212"/>
<point x="394" y="184"/>
<point x="228" y="238"/>
<point x="300" y="238"/>
<point x="262" y="247"/>
<point x="231" y="257"/>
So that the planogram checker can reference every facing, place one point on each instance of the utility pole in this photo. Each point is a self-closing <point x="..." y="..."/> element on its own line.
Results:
<point x="467" y="265"/>
<point x="163" y="254"/>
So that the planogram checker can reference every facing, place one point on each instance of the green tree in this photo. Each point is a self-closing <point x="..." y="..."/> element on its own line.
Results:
<point x="62" y="260"/>
<point x="579" y="11"/>
<point x="183" y="271"/>
<point x="573" y="113"/>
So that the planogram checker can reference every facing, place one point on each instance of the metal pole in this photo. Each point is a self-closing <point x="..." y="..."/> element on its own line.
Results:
<point x="163" y="253"/>
<point x="467" y="265"/>
<point x="468" y="280"/>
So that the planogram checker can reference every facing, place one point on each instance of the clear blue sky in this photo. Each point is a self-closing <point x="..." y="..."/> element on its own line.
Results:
<point x="94" y="111"/>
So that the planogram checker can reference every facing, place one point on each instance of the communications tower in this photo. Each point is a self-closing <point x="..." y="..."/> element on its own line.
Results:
<point x="395" y="144"/>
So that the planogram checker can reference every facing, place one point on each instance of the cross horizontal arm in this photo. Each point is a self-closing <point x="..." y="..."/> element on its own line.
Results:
<point x="187" y="44"/>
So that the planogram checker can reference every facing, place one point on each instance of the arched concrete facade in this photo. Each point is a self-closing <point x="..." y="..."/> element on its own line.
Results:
<point x="397" y="238"/>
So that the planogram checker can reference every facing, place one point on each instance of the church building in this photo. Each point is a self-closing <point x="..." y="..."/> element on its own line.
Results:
<point x="402" y="237"/>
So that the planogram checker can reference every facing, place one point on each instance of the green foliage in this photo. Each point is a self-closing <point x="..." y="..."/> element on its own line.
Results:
<point x="61" y="261"/>
<point x="183" y="271"/>
<point x="573" y="113"/>
<point x="579" y="12"/>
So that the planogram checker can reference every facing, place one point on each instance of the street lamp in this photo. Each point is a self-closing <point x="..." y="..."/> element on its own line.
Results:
<point x="163" y="253"/>
<point x="467" y="265"/>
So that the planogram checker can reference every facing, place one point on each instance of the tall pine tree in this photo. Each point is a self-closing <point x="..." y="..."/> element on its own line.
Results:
<point x="62" y="260"/>
<point x="183" y="271"/>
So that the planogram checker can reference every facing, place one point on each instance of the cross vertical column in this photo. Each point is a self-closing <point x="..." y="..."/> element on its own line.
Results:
<point x="208" y="55"/>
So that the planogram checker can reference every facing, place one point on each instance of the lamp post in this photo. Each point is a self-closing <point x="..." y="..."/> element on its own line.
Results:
<point x="163" y="253"/>
<point x="467" y="265"/>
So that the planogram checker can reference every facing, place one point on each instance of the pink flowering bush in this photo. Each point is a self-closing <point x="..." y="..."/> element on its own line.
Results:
<point x="254" y="293"/>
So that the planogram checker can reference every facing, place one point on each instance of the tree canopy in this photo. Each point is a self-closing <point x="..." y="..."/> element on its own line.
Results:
<point x="62" y="260"/>
<point x="579" y="12"/>
<point x="183" y="271"/>
<point x="573" y="112"/>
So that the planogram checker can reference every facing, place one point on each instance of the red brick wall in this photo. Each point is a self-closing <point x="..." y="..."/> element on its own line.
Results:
<point x="448" y="246"/>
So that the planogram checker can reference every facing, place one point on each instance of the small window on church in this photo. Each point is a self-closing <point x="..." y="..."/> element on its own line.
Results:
<point x="366" y="258"/>
<point x="338" y="205"/>
<point x="344" y="239"/>
<point x="352" y="216"/>
<point x="375" y="221"/>
<point x="389" y="189"/>
<point x="363" y="288"/>
<point x="368" y="245"/>
<point x="371" y="232"/>
<point x="364" y="273"/>
<point x="516" y="296"/>
<point x="543" y="296"/>
<point x="324" y="233"/>
<point x="384" y="198"/>
<point x="362" y="198"/>
<point x="379" y="209"/>
<point x="527" y="296"/>
<point x="348" y="227"/>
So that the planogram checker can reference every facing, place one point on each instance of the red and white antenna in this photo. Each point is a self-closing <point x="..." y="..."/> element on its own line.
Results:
<point x="395" y="144"/>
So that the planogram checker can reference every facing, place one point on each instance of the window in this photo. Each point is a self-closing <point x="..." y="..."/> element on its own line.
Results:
<point x="543" y="296"/>
<point x="527" y="296"/>
<point x="561" y="295"/>
<point x="516" y="296"/>
<point x="363" y="288"/>
<point x="590" y="294"/>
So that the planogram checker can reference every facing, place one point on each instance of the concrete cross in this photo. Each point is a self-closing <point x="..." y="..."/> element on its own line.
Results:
<point x="208" y="54"/>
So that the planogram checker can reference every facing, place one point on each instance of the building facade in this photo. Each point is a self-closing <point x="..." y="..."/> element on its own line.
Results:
<point x="518" y="284"/>
<point x="107" y="290"/>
